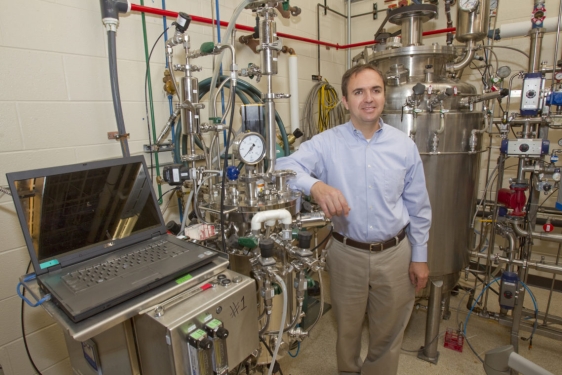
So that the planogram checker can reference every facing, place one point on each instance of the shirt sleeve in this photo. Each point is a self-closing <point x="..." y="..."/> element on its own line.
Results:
<point x="416" y="200"/>
<point x="307" y="162"/>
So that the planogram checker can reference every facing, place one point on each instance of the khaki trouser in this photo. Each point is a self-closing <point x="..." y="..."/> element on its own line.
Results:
<point x="378" y="283"/>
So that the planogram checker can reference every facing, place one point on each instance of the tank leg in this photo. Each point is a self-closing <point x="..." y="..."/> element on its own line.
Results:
<point x="429" y="351"/>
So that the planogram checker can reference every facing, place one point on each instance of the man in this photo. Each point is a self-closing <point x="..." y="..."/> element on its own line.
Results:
<point x="368" y="177"/>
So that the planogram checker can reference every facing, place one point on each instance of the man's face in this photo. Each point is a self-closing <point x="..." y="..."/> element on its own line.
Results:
<point x="365" y="98"/>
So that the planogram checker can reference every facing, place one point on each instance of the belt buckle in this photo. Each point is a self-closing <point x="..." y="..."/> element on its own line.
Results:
<point x="379" y="244"/>
<point x="397" y="240"/>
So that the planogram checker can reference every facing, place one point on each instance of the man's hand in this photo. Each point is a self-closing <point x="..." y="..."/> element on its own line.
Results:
<point x="419" y="273"/>
<point x="330" y="199"/>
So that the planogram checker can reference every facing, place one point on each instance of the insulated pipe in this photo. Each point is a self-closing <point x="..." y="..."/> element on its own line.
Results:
<point x="294" y="91"/>
<point x="168" y="13"/>
<point x="536" y="36"/>
<point x="282" y="214"/>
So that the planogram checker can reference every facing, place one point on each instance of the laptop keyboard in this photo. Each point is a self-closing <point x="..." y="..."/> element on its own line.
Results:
<point x="101" y="272"/>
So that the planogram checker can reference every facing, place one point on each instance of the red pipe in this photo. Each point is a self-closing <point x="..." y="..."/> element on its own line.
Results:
<point x="168" y="13"/>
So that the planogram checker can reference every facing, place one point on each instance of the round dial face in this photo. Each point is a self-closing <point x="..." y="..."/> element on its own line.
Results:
<point x="560" y="142"/>
<point x="558" y="76"/>
<point x="504" y="71"/>
<point x="468" y="5"/>
<point x="251" y="148"/>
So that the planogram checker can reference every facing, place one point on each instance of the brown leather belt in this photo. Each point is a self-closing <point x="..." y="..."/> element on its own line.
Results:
<point x="378" y="246"/>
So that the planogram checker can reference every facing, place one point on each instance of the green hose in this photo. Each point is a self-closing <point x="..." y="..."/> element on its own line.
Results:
<point x="149" y="80"/>
<point x="255" y="94"/>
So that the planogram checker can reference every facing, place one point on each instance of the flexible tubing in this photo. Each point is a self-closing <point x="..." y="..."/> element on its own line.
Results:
<point x="226" y="40"/>
<point x="255" y="95"/>
<point x="114" y="80"/>
<point x="321" y="310"/>
<point x="283" y="317"/>
<point x="186" y="211"/>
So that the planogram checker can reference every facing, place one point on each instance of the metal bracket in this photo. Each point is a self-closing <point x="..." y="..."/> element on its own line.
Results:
<point x="375" y="11"/>
<point x="116" y="136"/>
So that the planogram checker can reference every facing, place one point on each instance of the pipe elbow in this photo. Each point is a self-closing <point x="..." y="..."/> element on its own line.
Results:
<point x="471" y="51"/>
<point x="267" y="216"/>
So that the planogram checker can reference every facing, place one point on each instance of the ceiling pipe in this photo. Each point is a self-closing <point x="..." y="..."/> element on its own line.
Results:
<point x="168" y="13"/>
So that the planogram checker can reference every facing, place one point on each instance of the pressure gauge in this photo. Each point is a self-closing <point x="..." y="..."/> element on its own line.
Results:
<point x="249" y="147"/>
<point x="503" y="71"/>
<point x="560" y="142"/>
<point x="558" y="76"/>
<point x="468" y="5"/>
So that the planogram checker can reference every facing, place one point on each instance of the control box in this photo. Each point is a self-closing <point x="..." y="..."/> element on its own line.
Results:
<point x="208" y="332"/>
<point x="508" y="290"/>
<point x="525" y="147"/>
<point x="531" y="94"/>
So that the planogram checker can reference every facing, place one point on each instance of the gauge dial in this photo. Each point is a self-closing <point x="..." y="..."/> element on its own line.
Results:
<point x="558" y="76"/>
<point x="468" y="5"/>
<point x="503" y="71"/>
<point x="249" y="148"/>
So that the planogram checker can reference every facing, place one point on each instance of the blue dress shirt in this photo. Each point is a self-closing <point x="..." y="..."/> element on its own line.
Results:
<point x="382" y="180"/>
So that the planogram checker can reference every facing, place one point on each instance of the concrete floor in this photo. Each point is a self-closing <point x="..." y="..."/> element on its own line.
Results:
<point x="317" y="353"/>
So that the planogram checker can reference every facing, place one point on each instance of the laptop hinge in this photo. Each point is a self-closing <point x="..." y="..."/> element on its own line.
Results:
<point x="156" y="235"/>
<point x="54" y="268"/>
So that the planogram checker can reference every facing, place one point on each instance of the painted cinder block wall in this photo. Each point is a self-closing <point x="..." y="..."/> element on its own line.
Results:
<point x="56" y="109"/>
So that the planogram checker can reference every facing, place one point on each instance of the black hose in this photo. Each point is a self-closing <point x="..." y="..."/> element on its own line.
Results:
<point x="114" y="81"/>
<point x="223" y="187"/>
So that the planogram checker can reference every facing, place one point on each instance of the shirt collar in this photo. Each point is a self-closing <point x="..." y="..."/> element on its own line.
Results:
<point x="360" y="135"/>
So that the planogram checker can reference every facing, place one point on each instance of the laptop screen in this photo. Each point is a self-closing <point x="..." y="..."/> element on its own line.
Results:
<point x="75" y="212"/>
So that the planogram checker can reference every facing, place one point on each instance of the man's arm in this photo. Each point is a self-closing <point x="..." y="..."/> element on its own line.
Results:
<point x="308" y="161"/>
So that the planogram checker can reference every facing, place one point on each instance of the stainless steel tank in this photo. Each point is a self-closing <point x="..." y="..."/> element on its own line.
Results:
<point x="424" y="101"/>
<point x="441" y="130"/>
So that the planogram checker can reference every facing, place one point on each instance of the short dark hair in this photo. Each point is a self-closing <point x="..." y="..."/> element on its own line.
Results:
<point x="355" y="70"/>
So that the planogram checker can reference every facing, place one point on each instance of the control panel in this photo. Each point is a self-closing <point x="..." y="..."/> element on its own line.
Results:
<point x="525" y="147"/>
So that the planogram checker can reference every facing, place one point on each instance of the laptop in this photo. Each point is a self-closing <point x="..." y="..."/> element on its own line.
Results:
<point x="96" y="236"/>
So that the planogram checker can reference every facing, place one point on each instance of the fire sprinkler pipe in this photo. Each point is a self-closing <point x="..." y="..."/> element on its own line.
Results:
<point x="168" y="13"/>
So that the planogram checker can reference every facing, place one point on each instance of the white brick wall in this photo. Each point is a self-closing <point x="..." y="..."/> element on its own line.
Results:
<point x="55" y="108"/>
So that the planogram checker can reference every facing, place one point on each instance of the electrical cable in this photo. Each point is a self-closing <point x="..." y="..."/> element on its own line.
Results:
<point x="298" y="350"/>
<point x="23" y="329"/>
<point x="162" y="196"/>
<point x="146" y="101"/>
<point x="328" y="236"/>
<point x="270" y="352"/>
<point x="223" y="186"/>
<point x="322" y="100"/>
<point x="506" y="47"/>
<point x="470" y="312"/>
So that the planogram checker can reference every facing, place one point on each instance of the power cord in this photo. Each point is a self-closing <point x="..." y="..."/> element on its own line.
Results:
<point x="23" y="329"/>
<point x="146" y="103"/>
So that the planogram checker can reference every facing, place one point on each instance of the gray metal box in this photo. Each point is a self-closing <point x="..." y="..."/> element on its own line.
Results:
<point x="162" y="341"/>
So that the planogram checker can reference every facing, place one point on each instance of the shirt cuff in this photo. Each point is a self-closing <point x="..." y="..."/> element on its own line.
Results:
<point x="419" y="253"/>
<point x="306" y="182"/>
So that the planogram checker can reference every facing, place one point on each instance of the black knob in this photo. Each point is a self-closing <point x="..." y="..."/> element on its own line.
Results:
<point x="524" y="147"/>
<point x="222" y="333"/>
<point x="507" y="294"/>
<point x="298" y="133"/>
<point x="266" y="248"/>
<point x="206" y="344"/>
<point x="504" y="92"/>
<point x="418" y="89"/>
<point x="304" y="238"/>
